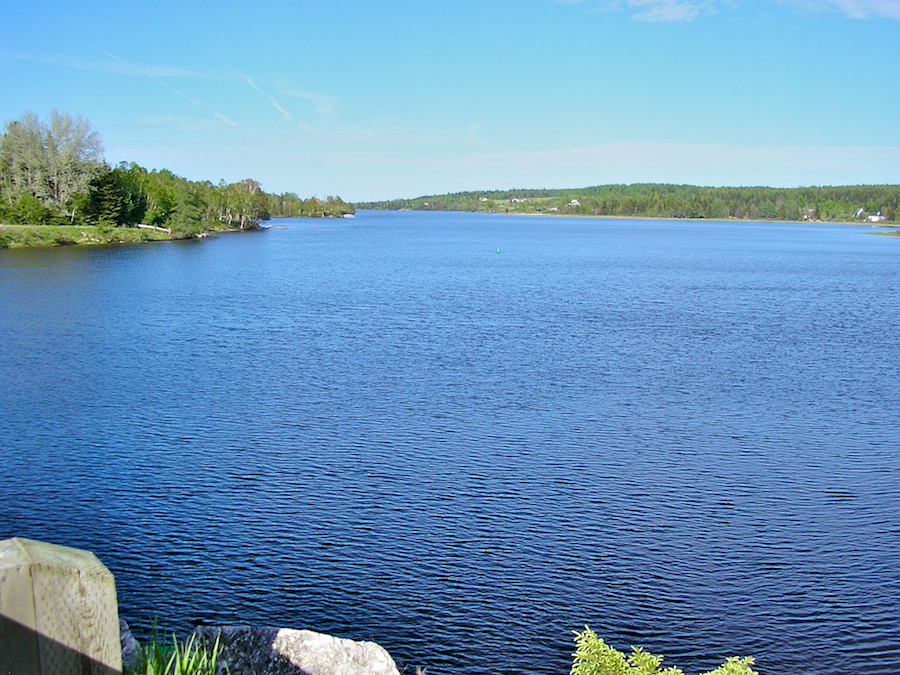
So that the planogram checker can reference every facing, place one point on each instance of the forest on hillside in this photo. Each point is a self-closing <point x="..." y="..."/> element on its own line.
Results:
<point x="860" y="203"/>
<point x="54" y="173"/>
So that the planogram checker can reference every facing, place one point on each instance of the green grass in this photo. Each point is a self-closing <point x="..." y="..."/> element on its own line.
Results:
<point x="185" y="658"/>
<point x="21" y="236"/>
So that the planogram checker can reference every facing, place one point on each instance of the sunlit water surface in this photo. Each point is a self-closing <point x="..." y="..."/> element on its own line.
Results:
<point x="466" y="436"/>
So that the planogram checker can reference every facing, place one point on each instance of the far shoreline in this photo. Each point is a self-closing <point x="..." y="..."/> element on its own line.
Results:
<point x="895" y="227"/>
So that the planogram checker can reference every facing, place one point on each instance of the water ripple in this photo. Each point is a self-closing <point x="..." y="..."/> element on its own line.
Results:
<point x="682" y="434"/>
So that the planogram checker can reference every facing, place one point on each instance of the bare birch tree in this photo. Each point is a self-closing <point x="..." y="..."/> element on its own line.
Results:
<point x="75" y="156"/>
<point x="23" y="162"/>
<point x="52" y="162"/>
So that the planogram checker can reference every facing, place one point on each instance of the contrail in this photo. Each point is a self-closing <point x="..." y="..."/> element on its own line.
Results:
<point x="168" y="86"/>
<point x="284" y="113"/>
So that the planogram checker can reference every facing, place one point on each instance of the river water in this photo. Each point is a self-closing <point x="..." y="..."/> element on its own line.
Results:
<point x="465" y="436"/>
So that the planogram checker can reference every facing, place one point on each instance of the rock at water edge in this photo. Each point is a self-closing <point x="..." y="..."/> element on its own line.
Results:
<point x="284" y="651"/>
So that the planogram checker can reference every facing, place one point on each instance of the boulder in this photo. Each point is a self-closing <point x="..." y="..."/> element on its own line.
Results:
<point x="249" y="650"/>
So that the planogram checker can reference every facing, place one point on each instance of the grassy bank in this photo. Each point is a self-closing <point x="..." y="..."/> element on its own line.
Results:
<point x="21" y="236"/>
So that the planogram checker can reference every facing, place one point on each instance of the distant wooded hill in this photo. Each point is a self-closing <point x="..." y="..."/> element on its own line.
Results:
<point x="862" y="203"/>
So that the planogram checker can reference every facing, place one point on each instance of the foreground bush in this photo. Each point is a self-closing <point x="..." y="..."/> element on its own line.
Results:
<point x="594" y="657"/>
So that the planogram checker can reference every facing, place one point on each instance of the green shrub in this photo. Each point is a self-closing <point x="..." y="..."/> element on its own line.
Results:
<point x="594" y="657"/>
<point x="29" y="210"/>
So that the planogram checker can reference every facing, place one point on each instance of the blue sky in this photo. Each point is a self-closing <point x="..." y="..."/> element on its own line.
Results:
<point x="372" y="100"/>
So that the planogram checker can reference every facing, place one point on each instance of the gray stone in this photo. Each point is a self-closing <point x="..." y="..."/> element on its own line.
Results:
<point x="130" y="647"/>
<point x="248" y="650"/>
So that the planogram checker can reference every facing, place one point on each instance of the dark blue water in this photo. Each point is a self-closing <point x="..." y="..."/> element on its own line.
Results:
<point x="466" y="436"/>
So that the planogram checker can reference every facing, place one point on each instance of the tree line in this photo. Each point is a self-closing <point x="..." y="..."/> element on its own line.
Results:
<point x="873" y="203"/>
<point x="54" y="173"/>
<point x="289" y="204"/>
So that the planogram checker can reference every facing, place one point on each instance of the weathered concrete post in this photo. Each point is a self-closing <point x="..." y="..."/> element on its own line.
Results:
<point x="58" y="611"/>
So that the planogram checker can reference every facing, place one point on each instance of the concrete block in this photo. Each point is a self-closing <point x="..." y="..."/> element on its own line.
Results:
<point x="58" y="611"/>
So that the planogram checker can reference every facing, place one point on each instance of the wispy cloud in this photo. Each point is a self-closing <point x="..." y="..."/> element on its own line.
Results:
<point x="170" y="122"/>
<point x="307" y="127"/>
<point x="220" y="116"/>
<point x="687" y="10"/>
<point x="169" y="87"/>
<point x="284" y="113"/>
<point x="655" y="10"/>
<point x="324" y="104"/>
<point x="708" y="164"/>
<point x="472" y="137"/>
<point x="665" y="10"/>
<point x="117" y="67"/>
<point x="865" y="9"/>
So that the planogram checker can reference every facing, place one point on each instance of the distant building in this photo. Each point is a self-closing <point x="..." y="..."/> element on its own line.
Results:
<point x="482" y="199"/>
<point x="517" y="200"/>
<point x="574" y="202"/>
<point x="877" y="218"/>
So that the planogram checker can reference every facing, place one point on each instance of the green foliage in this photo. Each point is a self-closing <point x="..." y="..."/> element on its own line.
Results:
<point x="54" y="174"/>
<point x="186" y="658"/>
<point x="103" y="203"/>
<point x="129" y="179"/>
<point x="735" y="666"/>
<point x="28" y="210"/>
<point x="193" y="658"/>
<point x="53" y="161"/>
<point x="594" y="657"/>
<point x="242" y="205"/>
<point x="189" y="209"/>
<point x="289" y="204"/>
<point x="841" y="204"/>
